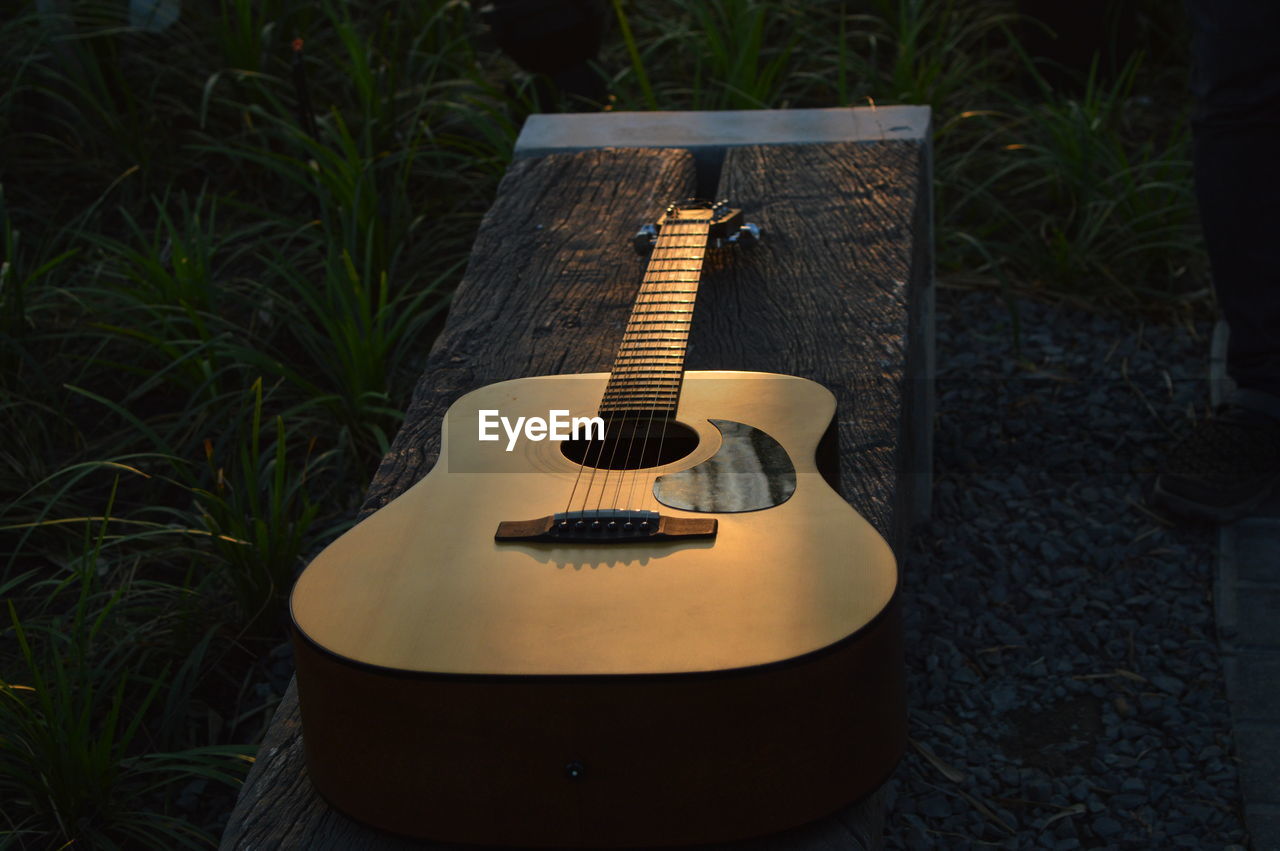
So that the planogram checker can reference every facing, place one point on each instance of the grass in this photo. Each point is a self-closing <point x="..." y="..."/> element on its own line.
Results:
<point x="226" y="253"/>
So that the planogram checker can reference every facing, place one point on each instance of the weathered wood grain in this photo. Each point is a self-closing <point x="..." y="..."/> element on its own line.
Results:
<point x="547" y="291"/>
<point x="839" y="292"/>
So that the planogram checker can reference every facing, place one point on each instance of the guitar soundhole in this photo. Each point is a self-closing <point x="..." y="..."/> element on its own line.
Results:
<point x="633" y="444"/>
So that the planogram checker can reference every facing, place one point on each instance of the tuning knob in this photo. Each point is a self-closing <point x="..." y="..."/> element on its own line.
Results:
<point x="747" y="235"/>
<point x="645" y="239"/>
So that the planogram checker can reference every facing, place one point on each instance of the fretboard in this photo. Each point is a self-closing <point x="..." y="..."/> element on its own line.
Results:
<point x="649" y="367"/>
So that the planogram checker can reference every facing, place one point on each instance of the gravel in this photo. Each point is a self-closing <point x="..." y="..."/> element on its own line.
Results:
<point x="1064" y="679"/>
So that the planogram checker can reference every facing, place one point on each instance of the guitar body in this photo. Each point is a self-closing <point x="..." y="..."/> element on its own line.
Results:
<point x="550" y="693"/>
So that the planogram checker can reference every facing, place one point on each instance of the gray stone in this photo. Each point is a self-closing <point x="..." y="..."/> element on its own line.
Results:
<point x="936" y="806"/>
<point x="707" y="134"/>
<point x="1173" y="685"/>
<point x="543" y="134"/>
<point x="1105" y="826"/>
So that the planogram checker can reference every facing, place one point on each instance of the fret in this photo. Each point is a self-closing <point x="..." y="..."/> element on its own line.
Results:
<point x="644" y="381"/>
<point x="668" y="401"/>
<point x="631" y="346"/>
<point x="648" y="398"/>
<point x="651" y="357"/>
<point x="632" y="361"/>
<point x="651" y="366"/>
<point x="655" y="368"/>
<point x="659" y="374"/>
<point x="652" y="370"/>
<point x="648" y="369"/>
<point x="634" y="379"/>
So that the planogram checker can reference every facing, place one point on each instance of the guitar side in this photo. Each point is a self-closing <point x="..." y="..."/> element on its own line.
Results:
<point x="703" y="689"/>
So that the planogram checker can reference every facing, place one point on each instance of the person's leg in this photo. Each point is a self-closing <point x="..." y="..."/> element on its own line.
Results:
<point x="1228" y="464"/>
<point x="1236" y="124"/>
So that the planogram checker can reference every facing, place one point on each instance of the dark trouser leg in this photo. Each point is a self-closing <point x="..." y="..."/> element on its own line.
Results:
<point x="1236" y="80"/>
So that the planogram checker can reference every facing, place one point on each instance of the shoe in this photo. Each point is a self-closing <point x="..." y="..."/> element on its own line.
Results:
<point x="1223" y="468"/>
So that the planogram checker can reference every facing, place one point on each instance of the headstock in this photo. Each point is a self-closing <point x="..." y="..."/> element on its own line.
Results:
<point x="726" y="225"/>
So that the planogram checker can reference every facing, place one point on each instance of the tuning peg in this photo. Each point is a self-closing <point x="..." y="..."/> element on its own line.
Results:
<point x="747" y="235"/>
<point x="645" y="239"/>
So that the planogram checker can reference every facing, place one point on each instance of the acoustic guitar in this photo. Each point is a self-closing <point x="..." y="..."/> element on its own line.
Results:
<point x="670" y="630"/>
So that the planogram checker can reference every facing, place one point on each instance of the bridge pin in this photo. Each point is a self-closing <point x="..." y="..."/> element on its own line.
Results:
<point x="613" y="524"/>
<point x="595" y="524"/>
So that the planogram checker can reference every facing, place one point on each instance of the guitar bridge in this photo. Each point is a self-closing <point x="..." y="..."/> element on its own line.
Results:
<point x="605" y="526"/>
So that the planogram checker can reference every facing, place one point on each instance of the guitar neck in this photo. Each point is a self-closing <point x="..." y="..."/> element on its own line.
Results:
<point x="648" y="369"/>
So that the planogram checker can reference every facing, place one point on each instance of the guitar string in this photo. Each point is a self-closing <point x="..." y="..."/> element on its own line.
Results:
<point x="696" y="239"/>
<point x="676" y="233"/>
<point x="705" y="233"/>
<point x="660" y="264"/>
<point x="687" y="238"/>
<point x="610" y="420"/>
<point x="621" y="415"/>
<point x="643" y="370"/>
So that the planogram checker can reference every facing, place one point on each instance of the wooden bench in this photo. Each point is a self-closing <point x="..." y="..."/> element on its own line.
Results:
<point x="840" y="292"/>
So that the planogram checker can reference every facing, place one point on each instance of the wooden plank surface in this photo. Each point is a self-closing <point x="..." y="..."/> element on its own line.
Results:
<point x="838" y="292"/>
<point x="547" y="291"/>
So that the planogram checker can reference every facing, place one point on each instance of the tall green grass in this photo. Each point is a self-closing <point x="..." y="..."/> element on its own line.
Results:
<point x="214" y="303"/>
<point x="95" y="701"/>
